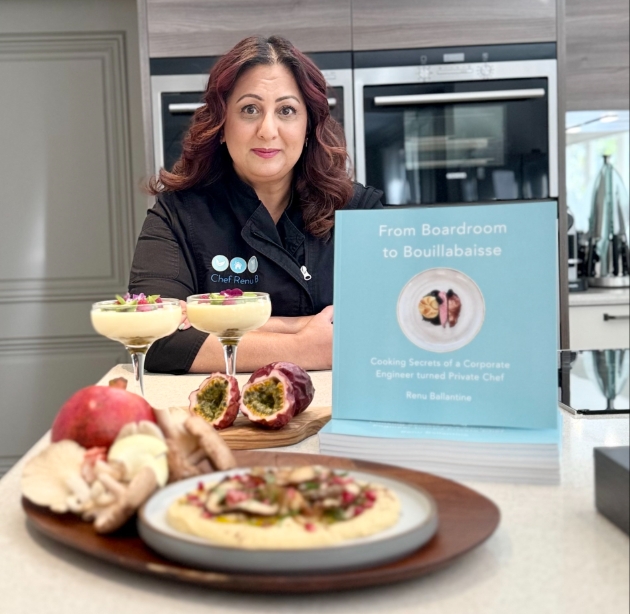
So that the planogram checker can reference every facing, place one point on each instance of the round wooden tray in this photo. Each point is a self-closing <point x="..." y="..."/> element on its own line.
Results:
<point x="466" y="520"/>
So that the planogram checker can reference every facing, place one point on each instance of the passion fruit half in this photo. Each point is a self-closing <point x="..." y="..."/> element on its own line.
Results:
<point x="275" y="393"/>
<point x="216" y="400"/>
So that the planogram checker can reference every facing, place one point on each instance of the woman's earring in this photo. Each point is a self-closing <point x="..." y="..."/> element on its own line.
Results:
<point x="306" y="143"/>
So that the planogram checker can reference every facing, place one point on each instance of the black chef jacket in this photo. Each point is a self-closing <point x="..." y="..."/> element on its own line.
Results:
<point x="222" y="236"/>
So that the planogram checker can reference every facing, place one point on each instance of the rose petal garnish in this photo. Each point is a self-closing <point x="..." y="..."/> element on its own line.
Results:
<point x="137" y="302"/>
<point x="231" y="293"/>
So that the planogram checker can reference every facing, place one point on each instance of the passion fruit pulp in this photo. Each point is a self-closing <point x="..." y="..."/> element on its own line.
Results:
<point x="266" y="397"/>
<point x="216" y="400"/>
<point x="211" y="400"/>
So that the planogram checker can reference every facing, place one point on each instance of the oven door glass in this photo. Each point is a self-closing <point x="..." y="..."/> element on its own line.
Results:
<point x="177" y="113"/>
<point x="336" y="103"/>
<point x="462" y="147"/>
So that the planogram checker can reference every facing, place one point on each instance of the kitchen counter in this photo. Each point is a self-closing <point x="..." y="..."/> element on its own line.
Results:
<point x="552" y="553"/>
<point x="600" y="296"/>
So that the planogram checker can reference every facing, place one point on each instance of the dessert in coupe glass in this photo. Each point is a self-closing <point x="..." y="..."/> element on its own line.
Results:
<point x="229" y="315"/>
<point x="136" y="322"/>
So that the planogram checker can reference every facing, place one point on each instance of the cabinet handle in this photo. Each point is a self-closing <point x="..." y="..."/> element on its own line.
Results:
<point x="607" y="317"/>
<point x="383" y="101"/>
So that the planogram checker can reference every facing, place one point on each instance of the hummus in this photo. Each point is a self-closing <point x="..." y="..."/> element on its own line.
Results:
<point x="302" y="529"/>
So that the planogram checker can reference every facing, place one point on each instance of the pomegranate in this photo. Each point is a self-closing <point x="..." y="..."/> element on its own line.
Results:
<point x="216" y="400"/>
<point x="93" y="416"/>
<point x="275" y="393"/>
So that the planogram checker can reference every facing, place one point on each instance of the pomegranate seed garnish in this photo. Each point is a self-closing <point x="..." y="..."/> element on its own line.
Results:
<point x="347" y="497"/>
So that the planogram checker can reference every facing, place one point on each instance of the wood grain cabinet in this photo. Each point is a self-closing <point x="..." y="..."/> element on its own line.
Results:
<point x="179" y="28"/>
<point x="597" y="63"/>
<point x="400" y="24"/>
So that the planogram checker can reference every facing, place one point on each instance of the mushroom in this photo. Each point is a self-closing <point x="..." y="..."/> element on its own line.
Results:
<point x="211" y="443"/>
<point x="144" y="427"/>
<point x="53" y="477"/>
<point x="124" y="500"/>
<point x="137" y="451"/>
<point x="194" y="446"/>
<point x="251" y="506"/>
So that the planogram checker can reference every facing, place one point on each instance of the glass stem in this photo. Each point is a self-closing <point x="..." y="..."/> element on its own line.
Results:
<point x="137" y="359"/>
<point x="229" y="351"/>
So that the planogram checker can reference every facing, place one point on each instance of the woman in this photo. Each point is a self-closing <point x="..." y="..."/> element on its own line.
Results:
<point x="250" y="204"/>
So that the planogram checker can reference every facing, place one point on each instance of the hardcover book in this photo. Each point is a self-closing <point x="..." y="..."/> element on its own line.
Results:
<point x="446" y="317"/>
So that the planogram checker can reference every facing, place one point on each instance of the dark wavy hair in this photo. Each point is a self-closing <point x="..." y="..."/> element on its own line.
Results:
<point x="320" y="177"/>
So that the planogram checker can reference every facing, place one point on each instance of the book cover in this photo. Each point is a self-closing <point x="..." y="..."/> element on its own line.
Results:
<point x="447" y="315"/>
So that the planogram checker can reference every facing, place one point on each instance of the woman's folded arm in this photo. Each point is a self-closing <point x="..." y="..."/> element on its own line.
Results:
<point x="310" y="347"/>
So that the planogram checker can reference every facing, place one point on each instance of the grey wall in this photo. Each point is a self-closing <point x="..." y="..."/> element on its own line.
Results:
<point x="71" y="161"/>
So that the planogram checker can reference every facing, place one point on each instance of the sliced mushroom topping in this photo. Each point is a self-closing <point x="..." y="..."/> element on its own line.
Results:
<point x="215" y="499"/>
<point x="331" y="503"/>
<point x="301" y="474"/>
<point x="352" y="488"/>
<point x="306" y="494"/>
<point x="251" y="506"/>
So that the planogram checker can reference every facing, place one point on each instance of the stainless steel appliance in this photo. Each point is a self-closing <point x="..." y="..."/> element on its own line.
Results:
<point x="595" y="381"/>
<point x="177" y="85"/>
<point x="457" y="125"/>
<point x="608" y="257"/>
<point x="577" y="262"/>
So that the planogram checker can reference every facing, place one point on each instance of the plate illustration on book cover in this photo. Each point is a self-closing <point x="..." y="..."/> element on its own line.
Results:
<point x="441" y="310"/>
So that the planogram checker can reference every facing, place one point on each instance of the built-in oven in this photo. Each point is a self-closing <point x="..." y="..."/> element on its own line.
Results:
<point x="177" y="86"/>
<point x="457" y="125"/>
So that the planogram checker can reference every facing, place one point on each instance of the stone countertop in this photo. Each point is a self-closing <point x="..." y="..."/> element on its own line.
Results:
<point x="600" y="296"/>
<point x="552" y="553"/>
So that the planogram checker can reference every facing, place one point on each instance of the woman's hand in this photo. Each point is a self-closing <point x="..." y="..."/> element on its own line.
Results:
<point x="184" y="324"/>
<point x="316" y="339"/>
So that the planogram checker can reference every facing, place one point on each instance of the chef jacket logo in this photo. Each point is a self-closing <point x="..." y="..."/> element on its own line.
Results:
<point x="220" y="263"/>
<point x="238" y="265"/>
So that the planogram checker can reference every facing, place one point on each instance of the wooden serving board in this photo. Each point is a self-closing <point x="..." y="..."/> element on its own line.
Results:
<point x="243" y="435"/>
<point x="466" y="519"/>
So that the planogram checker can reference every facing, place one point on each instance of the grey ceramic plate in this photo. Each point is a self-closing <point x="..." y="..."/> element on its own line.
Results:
<point x="417" y="524"/>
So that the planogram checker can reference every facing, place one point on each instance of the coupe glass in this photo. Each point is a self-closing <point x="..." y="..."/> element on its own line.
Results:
<point x="229" y="318"/>
<point x="136" y="327"/>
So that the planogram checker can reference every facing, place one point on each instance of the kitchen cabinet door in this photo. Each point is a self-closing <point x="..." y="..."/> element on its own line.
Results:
<point x="597" y="64"/>
<point x="443" y="23"/>
<point x="179" y="28"/>
<point x="71" y="166"/>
